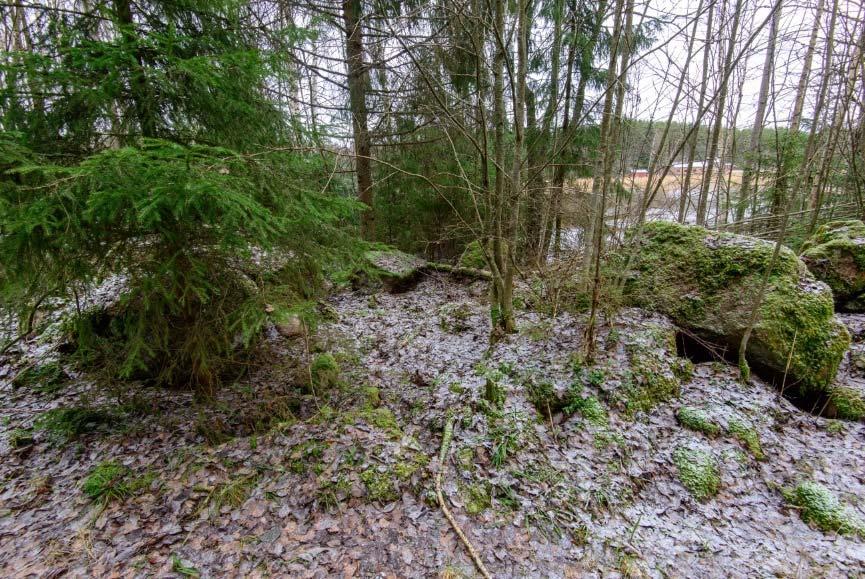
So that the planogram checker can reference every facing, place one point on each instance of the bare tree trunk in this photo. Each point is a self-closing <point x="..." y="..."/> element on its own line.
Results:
<point x="719" y="117"/>
<point x="692" y="147"/>
<point x="601" y="183"/>
<point x="784" y="213"/>
<point x="759" y="118"/>
<point x="357" y="85"/>
<point x="785" y="170"/>
<point x="585" y="68"/>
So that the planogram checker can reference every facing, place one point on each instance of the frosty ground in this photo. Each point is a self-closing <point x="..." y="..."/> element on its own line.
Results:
<point x="272" y="479"/>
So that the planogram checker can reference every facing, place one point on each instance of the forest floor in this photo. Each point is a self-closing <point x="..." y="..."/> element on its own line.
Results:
<point x="272" y="480"/>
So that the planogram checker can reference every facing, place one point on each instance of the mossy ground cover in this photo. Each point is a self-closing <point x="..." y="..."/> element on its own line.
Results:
<point x="697" y="420"/>
<point x="699" y="472"/>
<point x="818" y="506"/>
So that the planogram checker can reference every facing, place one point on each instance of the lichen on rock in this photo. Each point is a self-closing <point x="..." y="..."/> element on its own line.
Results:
<point x="706" y="282"/>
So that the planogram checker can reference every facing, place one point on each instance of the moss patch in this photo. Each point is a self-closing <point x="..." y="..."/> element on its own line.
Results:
<point x="835" y="254"/>
<point x="747" y="435"/>
<point x="590" y="408"/>
<point x="847" y="403"/>
<point x="697" y="420"/>
<point x="473" y="256"/>
<point x="818" y="506"/>
<point x="325" y="371"/>
<point x="477" y="497"/>
<point x="379" y="486"/>
<point x="698" y="471"/>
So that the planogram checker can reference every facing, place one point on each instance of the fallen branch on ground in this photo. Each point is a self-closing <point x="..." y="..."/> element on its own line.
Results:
<point x="443" y="454"/>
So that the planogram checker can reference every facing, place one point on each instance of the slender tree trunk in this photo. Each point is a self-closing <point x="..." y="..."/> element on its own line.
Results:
<point x="603" y="176"/>
<point x="692" y="147"/>
<point x="785" y="170"/>
<point x="753" y="151"/>
<point x="140" y="90"/>
<point x="357" y="87"/>
<point x="784" y="213"/>
<point x="702" y="202"/>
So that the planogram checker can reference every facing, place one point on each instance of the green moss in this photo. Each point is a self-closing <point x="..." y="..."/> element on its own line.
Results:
<point x="836" y="255"/>
<point x="847" y="402"/>
<point x="705" y="281"/>
<point x="747" y="435"/>
<point x="473" y="256"/>
<point x="406" y="468"/>
<point x="466" y="459"/>
<point x="107" y="481"/>
<point x="45" y="378"/>
<point x="698" y="471"/>
<point x="697" y="420"/>
<point x="372" y="396"/>
<point x="381" y="418"/>
<point x="325" y="371"/>
<point x="454" y="318"/>
<point x="817" y="505"/>
<point x="605" y="439"/>
<point x="836" y="427"/>
<point x="477" y="497"/>
<point x="379" y="486"/>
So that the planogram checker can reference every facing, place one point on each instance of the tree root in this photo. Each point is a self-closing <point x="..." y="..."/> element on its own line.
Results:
<point x="443" y="454"/>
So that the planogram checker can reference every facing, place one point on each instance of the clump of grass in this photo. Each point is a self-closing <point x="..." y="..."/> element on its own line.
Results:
<point x="70" y="423"/>
<point x="46" y="378"/>
<point x="697" y="420"/>
<point x="747" y="435"/>
<point x="455" y="318"/>
<point x="494" y="394"/>
<point x="233" y="493"/>
<point x="20" y="437"/>
<point x="506" y="434"/>
<point x="181" y="568"/>
<point x="306" y="455"/>
<point x="325" y="371"/>
<point x="591" y="409"/>
<point x="108" y="481"/>
<point x="698" y="471"/>
<point x="817" y="505"/>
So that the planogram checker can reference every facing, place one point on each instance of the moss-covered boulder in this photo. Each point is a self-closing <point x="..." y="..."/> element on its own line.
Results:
<point x="706" y="282"/>
<point x="836" y="255"/>
<point x="398" y="270"/>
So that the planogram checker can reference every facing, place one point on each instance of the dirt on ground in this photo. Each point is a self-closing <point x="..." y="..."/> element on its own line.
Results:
<point x="557" y="468"/>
